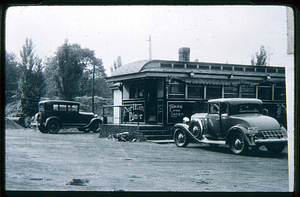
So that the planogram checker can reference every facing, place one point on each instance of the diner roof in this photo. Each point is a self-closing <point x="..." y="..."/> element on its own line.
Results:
<point x="163" y="68"/>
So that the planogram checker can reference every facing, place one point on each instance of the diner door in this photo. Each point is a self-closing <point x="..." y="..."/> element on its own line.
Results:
<point x="151" y="101"/>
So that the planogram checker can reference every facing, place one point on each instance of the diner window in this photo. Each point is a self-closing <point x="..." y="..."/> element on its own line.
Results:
<point x="195" y="91"/>
<point x="238" y="68"/>
<point x="279" y="93"/>
<point x="250" y="69"/>
<point x="227" y="68"/>
<point x="231" y="91"/>
<point x="265" y="92"/>
<point x="137" y="90"/>
<point x="248" y="91"/>
<point x="213" y="92"/>
<point x="177" y="88"/>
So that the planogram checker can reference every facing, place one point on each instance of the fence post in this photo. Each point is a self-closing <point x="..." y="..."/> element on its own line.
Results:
<point x="103" y="116"/>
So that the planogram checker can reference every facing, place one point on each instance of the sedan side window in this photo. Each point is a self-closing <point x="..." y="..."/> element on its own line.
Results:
<point x="224" y="108"/>
<point x="214" y="108"/>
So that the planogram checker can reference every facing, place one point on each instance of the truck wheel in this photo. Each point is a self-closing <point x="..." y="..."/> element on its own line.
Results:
<point x="237" y="144"/>
<point x="181" y="138"/>
<point x="275" y="148"/>
<point x="53" y="126"/>
<point x="196" y="129"/>
<point x="42" y="129"/>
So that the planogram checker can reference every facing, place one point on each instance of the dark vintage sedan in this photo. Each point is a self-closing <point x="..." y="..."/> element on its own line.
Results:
<point x="237" y="122"/>
<point x="56" y="114"/>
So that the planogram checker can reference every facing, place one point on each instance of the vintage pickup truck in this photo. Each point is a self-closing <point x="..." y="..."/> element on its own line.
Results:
<point x="237" y="122"/>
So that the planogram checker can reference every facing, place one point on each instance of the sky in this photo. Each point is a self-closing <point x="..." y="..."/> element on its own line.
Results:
<point x="217" y="34"/>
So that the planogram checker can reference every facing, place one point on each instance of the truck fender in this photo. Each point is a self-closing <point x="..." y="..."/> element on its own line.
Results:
<point x="94" y="120"/>
<point x="51" y="118"/>
<point x="241" y="129"/>
<point x="185" y="127"/>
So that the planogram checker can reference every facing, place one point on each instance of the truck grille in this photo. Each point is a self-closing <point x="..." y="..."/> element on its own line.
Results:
<point x="273" y="134"/>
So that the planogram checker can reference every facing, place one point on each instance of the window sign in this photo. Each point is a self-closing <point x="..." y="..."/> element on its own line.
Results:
<point x="134" y="113"/>
<point x="177" y="110"/>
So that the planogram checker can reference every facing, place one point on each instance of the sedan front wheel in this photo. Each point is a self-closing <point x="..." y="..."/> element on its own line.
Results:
<point x="181" y="138"/>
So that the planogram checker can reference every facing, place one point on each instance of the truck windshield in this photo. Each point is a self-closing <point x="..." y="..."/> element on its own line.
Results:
<point x="250" y="108"/>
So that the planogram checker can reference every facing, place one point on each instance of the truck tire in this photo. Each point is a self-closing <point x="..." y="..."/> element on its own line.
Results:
<point x="275" y="148"/>
<point x="238" y="144"/>
<point x="181" y="138"/>
<point x="53" y="126"/>
<point x="196" y="129"/>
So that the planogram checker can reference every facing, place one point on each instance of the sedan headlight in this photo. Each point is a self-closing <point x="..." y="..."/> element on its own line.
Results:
<point x="252" y="130"/>
<point x="95" y="116"/>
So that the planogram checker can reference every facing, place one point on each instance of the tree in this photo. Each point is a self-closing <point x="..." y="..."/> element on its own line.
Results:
<point x="72" y="69"/>
<point x="12" y="76"/>
<point x="261" y="58"/>
<point x="32" y="82"/>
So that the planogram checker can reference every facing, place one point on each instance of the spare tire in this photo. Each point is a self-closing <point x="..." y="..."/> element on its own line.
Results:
<point x="196" y="128"/>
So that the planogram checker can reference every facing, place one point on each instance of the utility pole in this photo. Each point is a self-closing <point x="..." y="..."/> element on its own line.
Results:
<point x="150" y="47"/>
<point x="93" y="88"/>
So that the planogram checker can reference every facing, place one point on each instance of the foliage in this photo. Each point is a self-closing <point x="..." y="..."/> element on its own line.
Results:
<point x="261" y="58"/>
<point x="32" y="82"/>
<point x="12" y="76"/>
<point x="70" y="72"/>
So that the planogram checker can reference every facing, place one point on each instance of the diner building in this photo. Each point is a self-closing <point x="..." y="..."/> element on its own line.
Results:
<point x="160" y="93"/>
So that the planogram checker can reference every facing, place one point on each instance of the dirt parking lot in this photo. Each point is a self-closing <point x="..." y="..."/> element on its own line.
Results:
<point x="77" y="161"/>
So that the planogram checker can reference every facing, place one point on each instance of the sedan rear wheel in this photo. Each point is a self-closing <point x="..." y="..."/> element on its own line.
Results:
<point x="181" y="138"/>
<point x="53" y="126"/>
<point x="237" y="144"/>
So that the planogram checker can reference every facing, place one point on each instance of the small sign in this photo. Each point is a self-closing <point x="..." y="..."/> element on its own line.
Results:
<point x="177" y="110"/>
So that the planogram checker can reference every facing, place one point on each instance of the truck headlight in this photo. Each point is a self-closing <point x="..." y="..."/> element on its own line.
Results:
<point x="252" y="130"/>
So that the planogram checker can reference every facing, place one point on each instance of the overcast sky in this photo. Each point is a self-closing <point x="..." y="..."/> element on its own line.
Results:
<point x="220" y="34"/>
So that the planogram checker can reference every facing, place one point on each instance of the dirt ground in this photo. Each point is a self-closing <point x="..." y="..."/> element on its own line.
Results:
<point x="77" y="161"/>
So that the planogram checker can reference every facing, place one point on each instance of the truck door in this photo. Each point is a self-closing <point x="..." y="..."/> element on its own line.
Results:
<point x="214" y="119"/>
